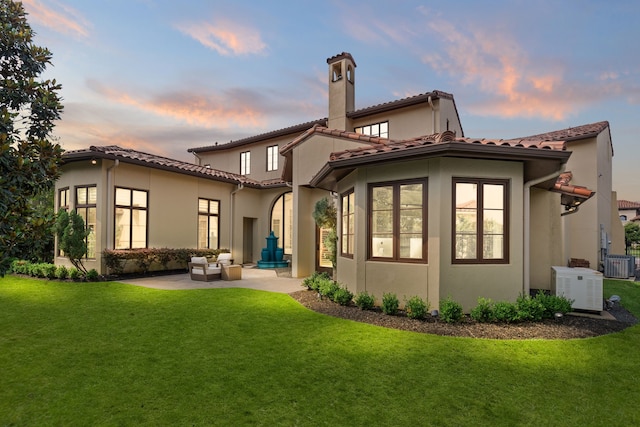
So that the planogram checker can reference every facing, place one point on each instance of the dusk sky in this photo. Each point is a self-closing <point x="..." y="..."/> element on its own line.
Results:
<point x="165" y="76"/>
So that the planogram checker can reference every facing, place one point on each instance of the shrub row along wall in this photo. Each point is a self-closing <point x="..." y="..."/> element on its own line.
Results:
<point x="153" y="259"/>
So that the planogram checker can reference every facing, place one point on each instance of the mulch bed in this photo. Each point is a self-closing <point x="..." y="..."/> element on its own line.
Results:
<point x="567" y="327"/>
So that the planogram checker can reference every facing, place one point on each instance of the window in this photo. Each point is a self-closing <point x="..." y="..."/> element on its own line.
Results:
<point x="378" y="129"/>
<point x="63" y="199"/>
<point x="272" y="158"/>
<point x="131" y="218"/>
<point x="208" y="224"/>
<point x="86" y="199"/>
<point x="245" y="163"/>
<point x="347" y="233"/>
<point x="398" y="221"/>
<point x="282" y="222"/>
<point x="480" y="218"/>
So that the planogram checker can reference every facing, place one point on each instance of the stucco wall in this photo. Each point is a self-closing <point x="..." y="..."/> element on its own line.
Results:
<point x="546" y="234"/>
<point x="438" y="278"/>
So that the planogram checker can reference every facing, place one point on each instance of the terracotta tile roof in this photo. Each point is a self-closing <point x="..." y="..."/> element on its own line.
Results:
<point x="569" y="134"/>
<point x="261" y="137"/>
<point x="562" y="186"/>
<point x="340" y="56"/>
<point x="128" y="155"/>
<point x="399" y="103"/>
<point x="626" y="204"/>
<point x="381" y="145"/>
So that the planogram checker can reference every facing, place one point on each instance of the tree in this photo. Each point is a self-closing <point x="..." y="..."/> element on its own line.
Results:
<point x="325" y="215"/>
<point x="631" y="234"/>
<point x="72" y="237"/>
<point x="28" y="109"/>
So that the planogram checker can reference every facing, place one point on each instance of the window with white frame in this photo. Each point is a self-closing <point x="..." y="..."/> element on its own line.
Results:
<point x="272" y="158"/>
<point x="282" y="221"/>
<point x="245" y="163"/>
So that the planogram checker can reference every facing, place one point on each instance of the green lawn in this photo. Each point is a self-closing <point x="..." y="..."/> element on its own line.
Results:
<point x="114" y="354"/>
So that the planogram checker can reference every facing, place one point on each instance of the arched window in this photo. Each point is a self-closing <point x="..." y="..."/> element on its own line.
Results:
<point x="282" y="221"/>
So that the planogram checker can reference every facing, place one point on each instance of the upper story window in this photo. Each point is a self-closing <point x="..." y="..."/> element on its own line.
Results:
<point x="272" y="158"/>
<point x="377" y="129"/>
<point x="480" y="232"/>
<point x="131" y="218"/>
<point x="347" y="233"/>
<point x="208" y="224"/>
<point x="63" y="199"/>
<point x="398" y="221"/>
<point x="86" y="207"/>
<point x="245" y="163"/>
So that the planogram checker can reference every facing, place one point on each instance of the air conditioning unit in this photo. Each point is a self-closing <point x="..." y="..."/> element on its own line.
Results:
<point x="619" y="266"/>
<point x="582" y="285"/>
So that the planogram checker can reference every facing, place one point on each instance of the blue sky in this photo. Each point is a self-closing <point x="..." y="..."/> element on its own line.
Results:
<point x="165" y="76"/>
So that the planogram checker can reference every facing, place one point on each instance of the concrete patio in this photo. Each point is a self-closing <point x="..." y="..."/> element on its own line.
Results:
<point x="252" y="278"/>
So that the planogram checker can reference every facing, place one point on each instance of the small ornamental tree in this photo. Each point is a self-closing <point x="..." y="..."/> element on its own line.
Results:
<point x="631" y="235"/>
<point x="325" y="215"/>
<point x="72" y="237"/>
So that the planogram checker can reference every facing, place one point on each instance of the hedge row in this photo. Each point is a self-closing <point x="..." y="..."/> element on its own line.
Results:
<point x="143" y="259"/>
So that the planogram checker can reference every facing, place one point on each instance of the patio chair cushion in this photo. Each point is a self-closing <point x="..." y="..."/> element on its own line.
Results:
<point x="224" y="258"/>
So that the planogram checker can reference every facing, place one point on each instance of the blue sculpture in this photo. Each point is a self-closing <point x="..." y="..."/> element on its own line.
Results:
<point x="272" y="255"/>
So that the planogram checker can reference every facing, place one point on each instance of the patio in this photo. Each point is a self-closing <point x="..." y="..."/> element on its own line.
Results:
<point x="252" y="278"/>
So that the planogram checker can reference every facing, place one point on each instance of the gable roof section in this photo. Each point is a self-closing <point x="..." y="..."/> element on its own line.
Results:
<point x="577" y="133"/>
<point x="126" y="155"/>
<point x="363" y="112"/>
<point x="296" y="129"/>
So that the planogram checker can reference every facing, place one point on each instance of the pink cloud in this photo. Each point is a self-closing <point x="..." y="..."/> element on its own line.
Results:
<point x="64" y="20"/>
<point x="221" y="111"/>
<point x="226" y="38"/>
<point x="514" y="84"/>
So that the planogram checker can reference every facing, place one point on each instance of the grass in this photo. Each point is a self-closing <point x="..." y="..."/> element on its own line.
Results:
<point x="113" y="354"/>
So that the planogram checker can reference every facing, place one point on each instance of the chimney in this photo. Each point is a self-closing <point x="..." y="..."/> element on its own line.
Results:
<point x="341" y="91"/>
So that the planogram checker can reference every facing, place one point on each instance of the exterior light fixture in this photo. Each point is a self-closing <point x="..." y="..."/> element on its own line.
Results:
<point x="94" y="162"/>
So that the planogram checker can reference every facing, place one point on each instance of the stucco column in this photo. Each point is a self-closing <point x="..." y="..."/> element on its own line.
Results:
<point x="303" y="257"/>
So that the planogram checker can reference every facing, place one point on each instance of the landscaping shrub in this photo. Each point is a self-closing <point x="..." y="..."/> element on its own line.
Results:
<point x="20" y="266"/>
<point x="343" y="296"/>
<point x="92" y="275"/>
<point x="390" y="304"/>
<point x="49" y="271"/>
<point x="553" y="304"/>
<point x="505" y="312"/>
<point x="61" y="272"/>
<point x="365" y="301"/>
<point x="416" y="308"/>
<point x="529" y="309"/>
<point x="483" y="312"/>
<point x="144" y="259"/>
<point x="450" y="311"/>
<point x="313" y="282"/>
<point x="74" y="274"/>
<point x="328" y="288"/>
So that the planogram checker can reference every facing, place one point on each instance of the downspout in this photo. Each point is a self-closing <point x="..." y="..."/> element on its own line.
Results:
<point x="197" y="157"/>
<point x="110" y="190"/>
<point x="433" y="114"/>
<point x="526" y="283"/>
<point x="232" y="205"/>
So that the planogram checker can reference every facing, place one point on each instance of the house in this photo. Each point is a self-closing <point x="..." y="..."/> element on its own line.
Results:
<point x="423" y="210"/>
<point x="628" y="211"/>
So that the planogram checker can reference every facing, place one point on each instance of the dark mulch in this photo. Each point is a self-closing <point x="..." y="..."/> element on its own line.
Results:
<point x="567" y="327"/>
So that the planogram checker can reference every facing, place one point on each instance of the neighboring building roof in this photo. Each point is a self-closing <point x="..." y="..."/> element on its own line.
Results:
<point x="627" y="205"/>
<point x="126" y="155"/>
